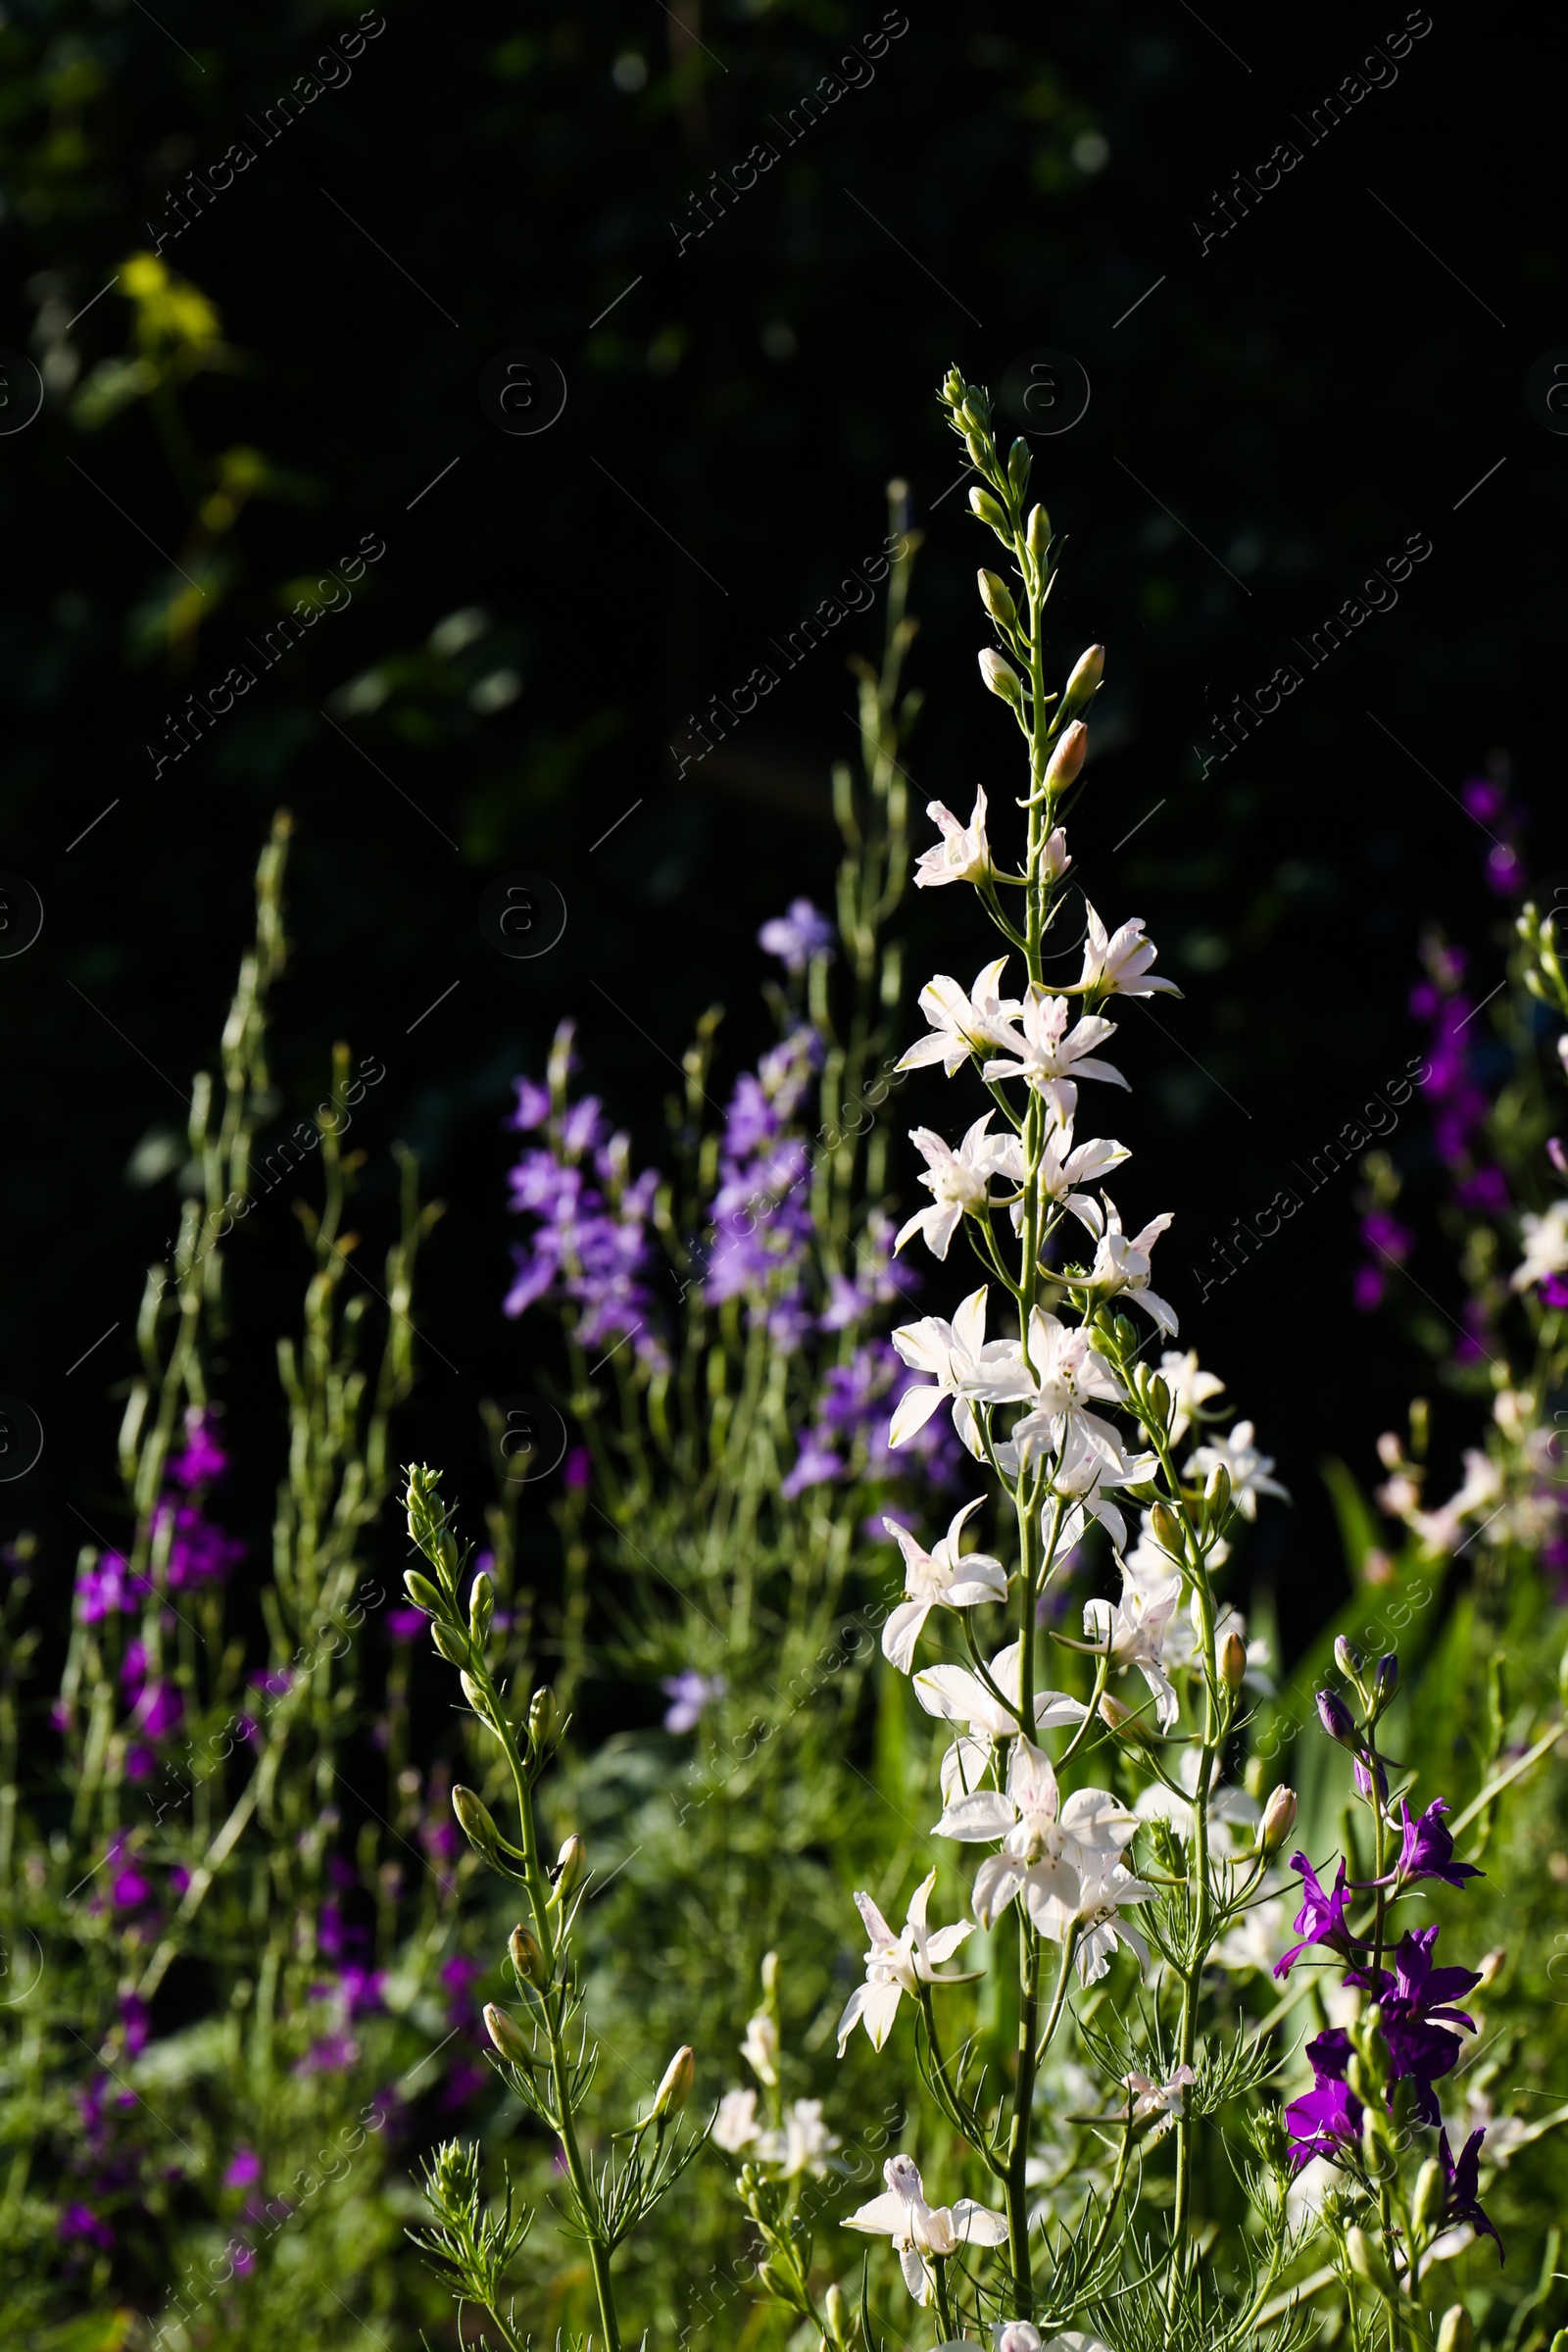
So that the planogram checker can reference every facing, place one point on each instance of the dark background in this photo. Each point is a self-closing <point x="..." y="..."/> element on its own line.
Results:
<point x="1318" y="385"/>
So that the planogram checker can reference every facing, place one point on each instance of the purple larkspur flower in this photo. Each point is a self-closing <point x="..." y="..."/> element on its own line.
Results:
<point x="109" y="1587"/>
<point x="1463" y="2181"/>
<point x="1426" y="1848"/>
<point x="534" y="1104"/>
<point x="201" y="1461"/>
<point x="328" y="2054"/>
<point x="404" y="1625"/>
<point x="1327" y="2117"/>
<point x="78" y="2221"/>
<point x="1335" y="1718"/>
<point x="1486" y="1192"/>
<point x="1418" y="2015"/>
<point x="1552" y="1290"/>
<point x="796" y="936"/>
<point x="244" y="2169"/>
<point x="1321" y="1918"/>
<point x="690" y="1696"/>
<point x="816" y="1466"/>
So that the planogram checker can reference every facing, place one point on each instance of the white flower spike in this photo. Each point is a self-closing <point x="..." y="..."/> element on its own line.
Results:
<point x="1050" y="1057"/>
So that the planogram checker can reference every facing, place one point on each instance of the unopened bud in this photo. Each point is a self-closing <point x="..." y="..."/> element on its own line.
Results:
<point x="527" y="1958"/>
<point x="836" y="2312"/>
<point x="1217" y="1493"/>
<point x="1335" y="1718"/>
<point x="1429" y="2187"/>
<point x="997" y="598"/>
<point x="1037" y="535"/>
<point x="769" y="1974"/>
<point x="676" y="2086"/>
<point x="1491" y="1965"/>
<point x="1365" y="2260"/>
<point x="423" y="1593"/>
<point x="979" y="455"/>
<point x="1001" y="678"/>
<point x="1167" y="1529"/>
<point x="1067" y="758"/>
<point x="1348" y="1658"/>
<point x="1084" y="683"/>
<point x="542" y="1717"/>
<point x="1018" y="466"/>
<point x="1279" y="1820"/>
<point x="476" y="1824"/>
<point x="982" y="503"/>
<point x="1158" y="1395"/>
<point x="571" y="1868"/>
<point x="481" y="1606"/>
<point x="1388" y="1677"/>
<point x="1456" y="2330"/>
<point x="976" y="409"/>
<point x="1233" y="1660"/>
<point x="473" y="1694"/>
<point x="509" y="2040"/>
<point x="953" y="388"/>
<point x="1122" y="1722"/>
<point x="453" y="1644"/>
<point x="1125" y="1331"/>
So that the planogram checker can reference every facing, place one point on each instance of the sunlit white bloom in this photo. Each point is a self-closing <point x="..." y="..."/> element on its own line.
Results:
<point x="1247" y="1469"/>
<point x="1147" y="2098"/>
<point x="1118" y="965"/>
<point x="1048" y="1056"/>
<point x="1131" y="1632"/>
<point x="960" y="1024"/>
<point x="956" y="1695"/>
<point x="964" y="853"/>
<point x="919" y="2230"/>
<point x="1191" y="1388"/>
<point x="897" y="1964"/>
<point x="1064" y="1165"/>
<point x="1231" y="1811"/>
<point x="1022" y="2335"/>
<point x="938" y="1579"/>
<point x="1070" y="1374"/>
<point x="1505" y="2134"/>
<point x="1546" y="1243"/>
<point x="735" y="2127"/>
<point x="1044" y="1842"/>
<point x="760" y="2050"/>
<point x="1104" y="1886"/>
<point x="960" y="1179"/>
<point x="1084" y="1475"/>
<point x="1121" y="1267"/>
<point x="804" y="2143"/>
<point x="966" y="1367"/>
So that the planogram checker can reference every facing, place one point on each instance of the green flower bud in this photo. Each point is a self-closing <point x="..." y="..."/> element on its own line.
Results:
<point x="836" y="2312"/>
<point x="676" y="2086"/>
<point x="1126" y="1333"/>
<point x="997" y="598"/>
<point x="1002" y="678"/>
<point x="474" y="1695"/>
<point x="1123" y="1724"/>
<point x="1456" y="2331"/>
<point x="452" y="1646"/>
<point x="1072" y="745"/>
<point x="571" y="1868"/>
<point x="474" y="1819"/>
<point x="541" y="1716"/>
<point x="982" y="503"/>
<point x="481" y="1607"/>
<point x="953" y="388"/>
<point x="1018" y="466"/>
<point x="1037" y="535"/>
<point x="526" y="1957"/>
<point x="979" y="454"/>
<point x="976" y="409"/>
<point x="508" y="2038"/>
<point x="1348" y="1658"/>
<point x="1279" y="1820"/>
<point x="1366" y="2261"/>
<point x="423" y="1593"/>
<point x="1217" y="1493"/>
<point x="1157" y="1395"/>
<point x="1233" y="1660"/>
<point x="1429" y="2187"/>
<point x="1084" y="683"/>
<point x="1167" y="1529"/>
<point x="769" y="1974"/>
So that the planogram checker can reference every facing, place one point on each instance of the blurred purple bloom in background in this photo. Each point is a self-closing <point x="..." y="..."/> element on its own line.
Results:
<point x="690" y="1693"/>
<point x="796" y="936"/>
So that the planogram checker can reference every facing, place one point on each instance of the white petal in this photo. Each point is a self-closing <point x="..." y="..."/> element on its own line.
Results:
<point x="902" y="1631"/>
<point x="879" y="2009"/>
<point x="876" y="1926"/>
<point x="885" y="2216"/>
<point x="947" y="1941"/>
<point x="851" y="2017"/>
<point x="977" y="2225"/>
<point x="913" y="1410"/>
<point x="973" y="1820"/>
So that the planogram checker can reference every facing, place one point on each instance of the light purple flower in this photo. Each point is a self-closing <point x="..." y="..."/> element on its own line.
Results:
<point x="796" y="937"/>
<point x="690" y="1694"/>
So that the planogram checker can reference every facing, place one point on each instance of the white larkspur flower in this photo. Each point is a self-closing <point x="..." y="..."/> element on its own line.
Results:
<point x="956" y="1695"/>
<point x="1054" y="858"/>
<point x="1121" y="1267"/>
<point x="1232" y="1813"/>
<point x="1045" y="1844"/>
<point x="1022" y="2335"/>
<point x="1064" y="1165"/>
<point x="938" y="1579"/>
<point x="804" y="2143"/>
<point x="1104" y="1886"/>
<point x="1189" y="1386"/>
<point x="966" y="1367"/>
<point x="1146" y="2098"/>
<point x="1118" y="965"/>
<point x="1070" y="1374"/>
<point x="1048" y="1056"/>
<point x="964" y="853"/>
<point x="920" y="2231"/>
<point x="897" y="1964"/>
<point x="1546" y="1246"/>
<point x="962" y="1024"/>
<point x="960" y="1179"/>
<point x="1084" y="1475"/>
<point x="760" y="2050"/>
<point x="1131" y="1632"/>
<point x="735" y="2127"/>
<point x="1246" y="1468"/>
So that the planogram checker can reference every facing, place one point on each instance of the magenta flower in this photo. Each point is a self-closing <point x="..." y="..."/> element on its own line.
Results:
<point x="1418" y="2015"/>
<point x="404" y="1625"/>
<point x="1327" y="2117"/>
<point x="245" y="2168"/>
<point x="80" y="2222"/>
<point x="1427" y="1850"/>
<point x="1321" y="1918"/>
<point x="202" y="1461"/>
